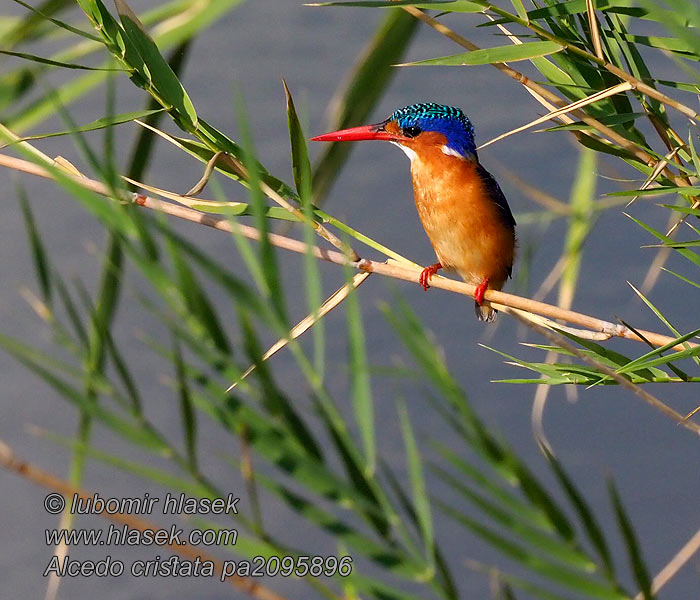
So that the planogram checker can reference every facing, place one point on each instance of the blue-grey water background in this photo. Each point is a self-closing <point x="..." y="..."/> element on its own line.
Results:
<point x="606" y="432"/>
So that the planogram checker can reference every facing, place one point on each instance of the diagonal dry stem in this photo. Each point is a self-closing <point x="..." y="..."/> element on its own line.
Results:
<point x="307" y="322"/>
<point x="500" y="300"/>
<point x="681" y="558"/>
<point x="595" y="33"/>
<point x="569" y="108"/>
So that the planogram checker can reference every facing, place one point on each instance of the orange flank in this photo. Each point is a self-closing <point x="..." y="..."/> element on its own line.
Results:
<point x="464" y="224"/>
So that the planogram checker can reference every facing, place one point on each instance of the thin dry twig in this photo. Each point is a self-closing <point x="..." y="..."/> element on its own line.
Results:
<point x="11" y="462"/>
<point x="656" y="171"/>
<point x="569" y="108"/>
<point x="675" y="564"/>
<point x="595" y="33"/>
<point x="335" y="299"/>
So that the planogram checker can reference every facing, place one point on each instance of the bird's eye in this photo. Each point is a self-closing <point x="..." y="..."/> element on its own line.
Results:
<point x="411" y="132"/>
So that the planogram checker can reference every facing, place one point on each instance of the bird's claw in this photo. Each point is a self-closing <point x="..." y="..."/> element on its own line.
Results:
<point x="480" y="291"/>
<point x="427" y="273"/>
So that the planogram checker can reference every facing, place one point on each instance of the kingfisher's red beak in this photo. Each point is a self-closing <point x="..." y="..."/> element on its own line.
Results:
<point x="356" y="134"/>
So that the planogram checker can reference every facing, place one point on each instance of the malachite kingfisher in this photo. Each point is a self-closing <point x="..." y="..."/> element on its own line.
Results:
<point x="462" y="208"/>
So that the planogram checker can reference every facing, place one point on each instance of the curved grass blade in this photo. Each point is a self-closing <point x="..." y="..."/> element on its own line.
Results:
<point x="393" y="560"/>
<point x="37" y="362"/>
<point x="268" y="257"/>
<point x="520" y="526"/>
<point x="163" y="478"/>
<point x="500" y="457"/>
<point x="554" y="572"/>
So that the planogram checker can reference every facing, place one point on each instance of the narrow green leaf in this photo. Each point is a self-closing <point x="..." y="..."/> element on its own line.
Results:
<point x="520" y="9"/>
<point x="644" y="361"/>
<point x="520" y="526"/>
<point x="586" y="516"/>
<point x="360" y="385"/>
<point x="441" y="5"/>
<point x="41" y="263"/>
<point x="552" y="571"/>
<point x="498" y="54"/>
<point x="573" y="7"/>
<point x="127" y="428"/>
<point x="667" y="189"/>
<point x="689" y="254"/>
<point x="504" y="499"/>
<point x="197" y="302"/>
<point x="693" y="283"/>
<point x="163" y="478"/>
<point x="393" y="560"/>
<point x="301" y="168"/>
<point x="421" y="500"/>
<point x="56" y="63"/>
<point x="62" y="24"/>
<point x="94" y="126"/>
<point x="443" y="576"/>
<point x="634" y="551"/>
<point x="267" y="265"/>
<point x="500" y="457"/>
<point x="189" y="417"/>
<point x="162" y="76"/>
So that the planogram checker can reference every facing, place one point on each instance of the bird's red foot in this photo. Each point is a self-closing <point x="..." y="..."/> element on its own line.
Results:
<point x="427" y="273"/>
<point x="480" y="291"/>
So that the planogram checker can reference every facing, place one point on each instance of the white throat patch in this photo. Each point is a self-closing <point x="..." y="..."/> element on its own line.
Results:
<point x="450" y="152"/>
<point x="407" y="151"/>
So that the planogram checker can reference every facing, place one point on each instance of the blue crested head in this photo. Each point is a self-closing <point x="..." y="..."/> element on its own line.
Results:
<point x="447" y="120"/>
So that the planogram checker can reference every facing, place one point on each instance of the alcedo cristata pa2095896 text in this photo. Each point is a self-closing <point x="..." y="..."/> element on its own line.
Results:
<point x="462" y="208"/>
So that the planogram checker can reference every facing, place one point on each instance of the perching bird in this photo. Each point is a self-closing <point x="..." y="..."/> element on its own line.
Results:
<point x="462" y="208"/>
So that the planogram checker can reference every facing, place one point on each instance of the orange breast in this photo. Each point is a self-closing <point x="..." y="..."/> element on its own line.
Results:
<point x="463" y="223"/>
